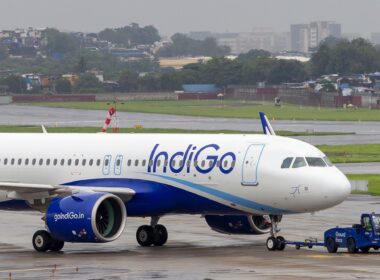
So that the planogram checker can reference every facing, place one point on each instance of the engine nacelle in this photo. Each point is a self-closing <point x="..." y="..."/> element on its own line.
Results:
<point x="241" y="224"/>
<point x="86" y="217"/>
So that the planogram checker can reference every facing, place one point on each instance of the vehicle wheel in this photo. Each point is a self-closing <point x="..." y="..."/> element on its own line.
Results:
<point x="298" y="247"/>
<point x="281" y="244"/>
<point x="375" y="248"/>
<point x="331" y="245"/>
<point x="271" y="243"/>
<point x="160" y="235"/>
<point x="56" y="245"/>
<point x="41" y="241"/>
<point x="365" y="250"/>
<point x="145" y="236"/>
<point x="351" y="246"/>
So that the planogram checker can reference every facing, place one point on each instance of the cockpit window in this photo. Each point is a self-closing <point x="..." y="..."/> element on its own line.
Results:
<point x="315" y="162"/>
<point x="287" y="162"/>
<point x="299" y="162"/>
<point x="328" y="162"/>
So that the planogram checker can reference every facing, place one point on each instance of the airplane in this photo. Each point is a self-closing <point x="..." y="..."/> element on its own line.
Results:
<point x="86" y="185"/>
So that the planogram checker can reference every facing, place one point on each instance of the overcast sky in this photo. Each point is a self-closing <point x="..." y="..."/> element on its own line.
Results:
<point x="171" y="16"/>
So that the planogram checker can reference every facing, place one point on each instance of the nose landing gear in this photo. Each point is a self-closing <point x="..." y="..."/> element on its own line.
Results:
<point x="275" y="242"/>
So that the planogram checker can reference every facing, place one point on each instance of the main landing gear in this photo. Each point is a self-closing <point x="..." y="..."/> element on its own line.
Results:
<point x="153" y="234"/>
<point x="275" y="242"/>
<point x="42" y="242"/>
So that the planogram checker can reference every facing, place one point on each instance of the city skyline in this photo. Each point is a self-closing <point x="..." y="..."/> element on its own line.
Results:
<point x="171" y="16"/>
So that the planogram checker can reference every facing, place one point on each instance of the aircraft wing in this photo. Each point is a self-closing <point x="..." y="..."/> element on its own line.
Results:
<point x="38" y="191"/>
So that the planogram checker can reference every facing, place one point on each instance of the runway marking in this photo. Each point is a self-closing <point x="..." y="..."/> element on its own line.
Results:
<point x="327" y="256"/>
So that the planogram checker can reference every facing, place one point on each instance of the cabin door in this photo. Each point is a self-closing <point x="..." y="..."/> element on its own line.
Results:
<point x="251" y="163"/>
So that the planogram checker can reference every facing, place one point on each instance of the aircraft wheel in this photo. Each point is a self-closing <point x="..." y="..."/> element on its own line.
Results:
<point x="160" y="235"/>
<point x="56" y="245"/>
<point x="351" y="246"/>
<point x="41" y="241"/>
<point x="281" y="244"/>
<point x="331" y="245"/>
<point x="145" y="236"/>
<point x="271" y="243"/>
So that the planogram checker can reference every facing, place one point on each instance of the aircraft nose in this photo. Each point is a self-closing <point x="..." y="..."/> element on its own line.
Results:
<point x="340" y="186"/>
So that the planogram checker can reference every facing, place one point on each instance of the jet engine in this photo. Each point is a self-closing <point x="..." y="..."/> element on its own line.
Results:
<point x="86" y="217"/>
<point x="241" y="224"/>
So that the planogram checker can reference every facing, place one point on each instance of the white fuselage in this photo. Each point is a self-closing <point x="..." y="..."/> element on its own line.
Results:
<point x="242" y="172"/>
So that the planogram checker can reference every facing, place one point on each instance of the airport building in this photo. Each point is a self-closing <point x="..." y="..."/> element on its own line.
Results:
<point x="305" y="37"/>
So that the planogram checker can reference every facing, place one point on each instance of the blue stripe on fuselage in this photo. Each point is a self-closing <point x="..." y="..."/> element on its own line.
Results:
<point x="226" y="196"/>
<point x="154" y="199"/>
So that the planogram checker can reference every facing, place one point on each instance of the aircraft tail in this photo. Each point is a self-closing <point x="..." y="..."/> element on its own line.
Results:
<point x="267" y="128"/>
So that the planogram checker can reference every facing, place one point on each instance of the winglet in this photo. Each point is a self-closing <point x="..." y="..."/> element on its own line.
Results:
<point x="267" y="128"/>
<point x="43" y="129"/>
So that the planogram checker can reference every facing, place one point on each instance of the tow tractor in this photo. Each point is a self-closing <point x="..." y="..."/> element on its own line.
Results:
<point x="363" y="237"/>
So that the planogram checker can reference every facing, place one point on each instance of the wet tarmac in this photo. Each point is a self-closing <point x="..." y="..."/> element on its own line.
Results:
<point x="192" y="252"/>
<point x="366" y="132"/>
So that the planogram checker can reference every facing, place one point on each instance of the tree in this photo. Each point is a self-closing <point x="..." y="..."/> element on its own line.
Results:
<point x="287" y="71"/>
<point x="82" y="65"/>
<point x="14" y="83"/>
<point x="63" y="86"/>
<point x="131" y="35"/>
<point x="185" y="46"/>
<point x="60" y="43"/>
<point x="128" y="80"/>
<point x="88" y="83"/>
<point x="4" y="52"/>
<point x="254" y="54"/>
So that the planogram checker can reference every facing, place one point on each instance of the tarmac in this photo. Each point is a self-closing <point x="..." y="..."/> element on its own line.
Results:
<point x="365" y="132"/>
<point x="193" y="251"/>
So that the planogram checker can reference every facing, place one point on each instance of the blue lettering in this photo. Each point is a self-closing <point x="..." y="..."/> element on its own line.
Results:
<point x="229" y="170"/>
<point x="213" y="158"/>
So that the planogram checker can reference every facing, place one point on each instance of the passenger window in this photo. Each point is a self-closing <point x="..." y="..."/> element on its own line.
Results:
<point x="26" y="161"/>
<point x="98" y="162"/>
<point x="106" y="162"/>
<point x="129" y="162"/>
<point x="83" y="162"/>
<point x="19" y="161"/>
<point x="180" y="162"/>
<point x="218" y="163"/>
<point x="136" y="162"/>
<point x="62" y="162"/>
<point x="203" y="163"/>
<point x="12" y="161"/>
<point x="173" y="163"/>
<point x="299" y="162"/>
<point x="91" y="162"/>
<point x="48" y="162"/>
<point x="158" y="163"/>
<point x="315" y="162"/>
<point x="165" y="163"/>
<point x="151" y="163"/>
<point x="144" y="162"/>
<point x="225" y="163"/>
<point x="5" y="161"/>
<point x="195" y="163"/>
<point x="233" y="164"/>
<point x="287" y="162"/>
<point x="76" y="162"/>
<point x="41" y="161"/>
<point x="34" y="161"/>
<point x="55" y="162"/>
<point x="69" y="162"/>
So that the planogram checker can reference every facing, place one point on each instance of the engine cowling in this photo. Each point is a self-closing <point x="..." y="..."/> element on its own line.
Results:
<point x="86" y="217"/>
<point x="241" y="224"/>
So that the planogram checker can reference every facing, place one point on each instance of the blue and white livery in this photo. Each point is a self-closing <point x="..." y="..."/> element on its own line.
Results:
<point x="86" y="185"/>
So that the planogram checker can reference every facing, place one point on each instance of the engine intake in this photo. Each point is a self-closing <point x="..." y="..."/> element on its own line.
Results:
<point x="86" y="217"/>
<point x="241" y="224"/>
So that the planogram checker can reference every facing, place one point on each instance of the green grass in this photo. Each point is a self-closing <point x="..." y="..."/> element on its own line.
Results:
<point x="373" y="182"/>
<point x="352" y="153"/>
<point x="230" y="109"/>
<point x="38" y="129"/>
